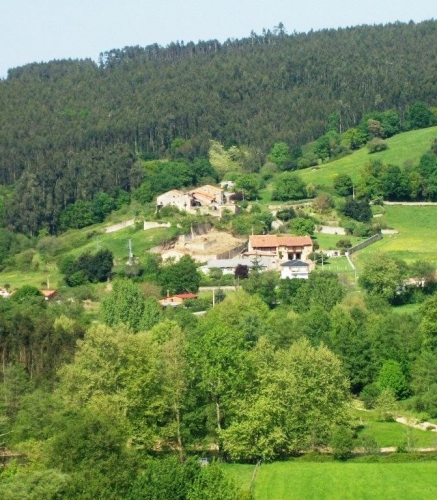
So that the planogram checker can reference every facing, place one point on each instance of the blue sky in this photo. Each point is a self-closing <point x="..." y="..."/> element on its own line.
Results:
<point x="42" y="30"/>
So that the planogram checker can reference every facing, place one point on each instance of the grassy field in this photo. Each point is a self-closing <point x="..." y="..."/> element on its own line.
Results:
<point x="402" y="148"/>
<point x="417" y="238"/>
<point x="76" y="242"/>
<point x="388" y="434"/>
<point x="345" y="481"/>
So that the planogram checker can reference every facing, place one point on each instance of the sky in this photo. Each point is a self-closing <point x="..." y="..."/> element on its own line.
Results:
<point x="43" y="30"/>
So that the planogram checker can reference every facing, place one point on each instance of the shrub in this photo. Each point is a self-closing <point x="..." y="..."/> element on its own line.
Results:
<point x="344" y="243"/>
<point x="376" y="145"/>
<point x="342" y="443"/>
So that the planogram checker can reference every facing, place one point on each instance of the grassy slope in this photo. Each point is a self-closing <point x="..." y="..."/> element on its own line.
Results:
<point x="417" y="238"/>
<point x="405" y="147"/>
<point x="91" y="239"/>
<point x="343" y="481"/>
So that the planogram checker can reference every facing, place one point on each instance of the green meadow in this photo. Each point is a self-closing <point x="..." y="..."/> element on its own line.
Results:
<point x="416" y="238"/>
<point x="297" y="480"/>
<point x="405" y="148"/>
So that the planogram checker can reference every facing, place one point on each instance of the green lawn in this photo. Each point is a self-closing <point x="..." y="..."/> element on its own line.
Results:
<point x="389" y="434"/>
<point x="417" y="238"/>
<point x="403" y="148"/>
<point x="346" y="481"/>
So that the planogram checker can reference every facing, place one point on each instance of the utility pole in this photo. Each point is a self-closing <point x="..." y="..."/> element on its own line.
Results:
<point x="131" y="255"/>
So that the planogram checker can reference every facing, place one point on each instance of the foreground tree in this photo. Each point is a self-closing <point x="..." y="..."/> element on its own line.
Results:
<point x="383" y="276"/>
<point x="298" y="395"/>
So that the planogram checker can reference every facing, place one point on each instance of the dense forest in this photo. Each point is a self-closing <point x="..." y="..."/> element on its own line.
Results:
<point x="72" y="129"/>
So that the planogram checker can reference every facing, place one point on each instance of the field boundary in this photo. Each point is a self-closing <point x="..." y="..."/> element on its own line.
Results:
<point x="364" y="244"/>
<point x="254" y="475"/>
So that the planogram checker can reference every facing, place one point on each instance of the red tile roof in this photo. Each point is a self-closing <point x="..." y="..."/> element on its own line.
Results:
<point x="271" y="240"/>
<point x="186" y="296"/>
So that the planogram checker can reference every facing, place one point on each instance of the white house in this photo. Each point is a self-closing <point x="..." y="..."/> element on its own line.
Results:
<point x="295" y="269"/>
<point x="174" y="198"/>
<point x="228" y="265"/>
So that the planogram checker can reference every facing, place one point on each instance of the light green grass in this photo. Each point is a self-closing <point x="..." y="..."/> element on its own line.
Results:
<point x="416" y="240"/>
<point x="403" y="148"/>
<point x="389" y="434"/>
<point x="346" y="481"/>
<point x="328" y="241"/>
<point x="76" y="242"/>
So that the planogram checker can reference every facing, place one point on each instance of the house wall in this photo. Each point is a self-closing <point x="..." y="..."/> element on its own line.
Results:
<point x="294" y="272"/>
<point x="180" y="200"/>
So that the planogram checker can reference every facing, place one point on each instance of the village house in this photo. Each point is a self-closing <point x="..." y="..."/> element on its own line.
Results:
<point x="284" y="248"/>
<point x="295" y="269"/>
<point x="48" y="294"/>
<point x="176" y="300"/>
<point x="207" y="195"/>
<point x="203" y="196"/>
<point x="174" y="198"/>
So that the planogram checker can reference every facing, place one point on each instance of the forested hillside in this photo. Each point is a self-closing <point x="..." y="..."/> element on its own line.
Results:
<point x="70" y="129"/>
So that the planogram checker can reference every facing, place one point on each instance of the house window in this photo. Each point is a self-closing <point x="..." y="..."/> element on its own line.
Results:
<point x="298" y="255"/>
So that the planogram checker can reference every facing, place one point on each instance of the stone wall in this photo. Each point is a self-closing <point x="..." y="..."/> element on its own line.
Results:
<point x="154" y="225"/>
<point x="365" y="243"/>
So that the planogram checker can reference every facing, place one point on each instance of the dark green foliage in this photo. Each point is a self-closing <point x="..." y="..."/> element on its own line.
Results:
<point x="358" y="209"/>
<point x="420" y="116"/>
<point x="343" y="185"/>
<point x="343" y="243"/>
<point x="342" y="443"/>
<point x="27" y="293"/>
<point x="87" y="268"/>
<point x="289" y="186"/>
<point x="369" y="395"/>
<point x="241" y="272"/>
<point x="165" y="479"/>
<point x="180" y="277"/>
<point x="286" y="214"/>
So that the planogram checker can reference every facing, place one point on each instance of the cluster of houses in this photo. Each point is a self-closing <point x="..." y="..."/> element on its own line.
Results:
<point x="206" y="199"/>
<point x="287" y="254"/>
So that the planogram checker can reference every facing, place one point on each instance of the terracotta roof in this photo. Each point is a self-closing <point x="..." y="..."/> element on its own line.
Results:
<point x="186" y="296"/>
<point x="271" y="240"/>
<point x="48" y="293"/>
<point x="210" y="188"/>
<point x="201" y="194"/>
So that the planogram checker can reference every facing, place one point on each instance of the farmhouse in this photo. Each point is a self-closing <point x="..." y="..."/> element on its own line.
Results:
<point x="176" y="300"/>
<point x="204" y="196"/>
<point x="283" y="247"/>
<point x="208" y="195"/>
<point x="174" y="198"/>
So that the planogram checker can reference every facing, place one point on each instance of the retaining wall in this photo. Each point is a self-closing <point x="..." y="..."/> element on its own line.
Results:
<point x="365" y="243"/>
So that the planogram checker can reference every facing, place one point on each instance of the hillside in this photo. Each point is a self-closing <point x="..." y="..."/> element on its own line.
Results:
<point x="403" y="149"/>
<point x="72" y="129"/>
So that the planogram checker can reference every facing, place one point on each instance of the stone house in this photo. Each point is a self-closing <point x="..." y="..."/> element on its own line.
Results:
<point x="284" y="248"/>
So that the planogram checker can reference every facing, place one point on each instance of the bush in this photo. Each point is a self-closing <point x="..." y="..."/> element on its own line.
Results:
<point x="342" y="443"/>
<point x="369" y="395"/>
<point x="344" y="243"/>
<point x="376" y="145"/>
